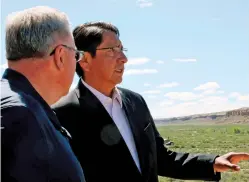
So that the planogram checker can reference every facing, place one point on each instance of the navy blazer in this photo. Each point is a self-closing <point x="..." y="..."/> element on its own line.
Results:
<point x="35" y="148"/>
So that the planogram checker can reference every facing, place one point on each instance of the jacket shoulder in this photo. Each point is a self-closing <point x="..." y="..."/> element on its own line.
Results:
<point x="130" y="94"/>
<point x="66" y="101"/>
<point x="15" y="107"/>
<point x="14" y="97"/>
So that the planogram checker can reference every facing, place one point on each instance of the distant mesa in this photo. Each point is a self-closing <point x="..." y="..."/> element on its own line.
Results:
<point x="236" y="116"/>
<point x="238" y="112"/>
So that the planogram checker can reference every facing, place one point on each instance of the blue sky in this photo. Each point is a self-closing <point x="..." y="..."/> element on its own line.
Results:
<point x="185" y="56"/>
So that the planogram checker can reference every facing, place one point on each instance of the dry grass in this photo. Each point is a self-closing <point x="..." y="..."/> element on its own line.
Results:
<point x="213" y="139"/>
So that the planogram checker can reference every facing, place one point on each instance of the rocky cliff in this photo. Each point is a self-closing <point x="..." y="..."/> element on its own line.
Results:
<point x="233" y="116"/>
<point x="238" y="112"/>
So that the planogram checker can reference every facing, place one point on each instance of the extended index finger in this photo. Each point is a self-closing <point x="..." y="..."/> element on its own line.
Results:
<point x="241" y="155"/>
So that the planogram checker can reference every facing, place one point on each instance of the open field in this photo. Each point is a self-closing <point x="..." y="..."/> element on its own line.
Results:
<point x="213" y="139"/>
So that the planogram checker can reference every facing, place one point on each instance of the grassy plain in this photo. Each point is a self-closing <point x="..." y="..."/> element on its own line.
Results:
<point x="212" y="139"/>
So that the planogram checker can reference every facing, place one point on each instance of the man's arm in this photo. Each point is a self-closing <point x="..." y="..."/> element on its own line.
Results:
<point x="182" y="165"/>
<point x="22" y="147"/>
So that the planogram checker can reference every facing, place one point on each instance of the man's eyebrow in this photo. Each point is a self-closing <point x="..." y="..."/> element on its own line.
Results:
<point x="119" y="45"/>
<point x="111" y="44"/>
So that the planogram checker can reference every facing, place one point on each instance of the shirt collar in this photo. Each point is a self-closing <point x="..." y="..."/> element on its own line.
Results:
<point x="115" y="95"/>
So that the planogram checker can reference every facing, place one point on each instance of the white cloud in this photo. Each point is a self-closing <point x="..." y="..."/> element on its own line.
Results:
<point x="144" y="3"/>
<point x="212" y="100"/>
<point x="152" y="96"/>
<point x="234" y="95"/>
<point x="220" y="92"/>
<point x="147" y="84"/>
<point x="182" y="96"/>
<point x="212" y="91"/>
<point x="169" y="85"/>
<point x="160" y="62"/>
<point x="208" y="92"/>
<point x="204" y="105"/>
<point x="166" y="103"/>
<point x="152" y="92"/>
<point x="243" y="98"/>
<point x="4" y="66"/>
<point x="189" y="103"/>
<point x="185" y="60"/>
<point x="140" y="71"/>
<point x="208" y="86"/>
<point x="137" y="61"/>
<point x="239" y="97"/>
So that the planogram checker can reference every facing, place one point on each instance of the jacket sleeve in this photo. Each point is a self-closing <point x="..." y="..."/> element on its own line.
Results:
<point x="182" y="165"/>
<point x="22" y="150"/>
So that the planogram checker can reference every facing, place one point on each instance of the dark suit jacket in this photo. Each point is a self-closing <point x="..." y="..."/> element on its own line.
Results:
<point x="34" y="146"/>
<point x="103" y="153"/>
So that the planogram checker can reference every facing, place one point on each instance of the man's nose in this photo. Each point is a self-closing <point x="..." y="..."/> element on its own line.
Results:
<point x="122" y="57"/>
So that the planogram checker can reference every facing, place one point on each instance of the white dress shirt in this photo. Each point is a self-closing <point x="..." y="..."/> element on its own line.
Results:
<point x="114" y="107"/>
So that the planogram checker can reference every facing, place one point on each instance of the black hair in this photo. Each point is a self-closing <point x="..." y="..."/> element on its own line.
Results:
<point x="88" y="37"/>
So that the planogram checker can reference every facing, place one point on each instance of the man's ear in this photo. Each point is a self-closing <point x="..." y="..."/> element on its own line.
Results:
<point x="86" y="62"/>
<point x="59" y="58"/>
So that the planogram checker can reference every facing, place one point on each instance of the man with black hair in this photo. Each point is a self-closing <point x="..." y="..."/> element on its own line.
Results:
<point x="114" y="135"/>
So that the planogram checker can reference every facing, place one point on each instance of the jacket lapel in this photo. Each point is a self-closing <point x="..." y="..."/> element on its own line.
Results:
<point x="89" y="101"/>
<point x="91" y="104"/>
<point x="137" y="131"/>
<point x="95" y="111"/>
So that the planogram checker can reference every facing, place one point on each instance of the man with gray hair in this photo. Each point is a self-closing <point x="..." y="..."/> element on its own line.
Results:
<point x="41" y="57"/>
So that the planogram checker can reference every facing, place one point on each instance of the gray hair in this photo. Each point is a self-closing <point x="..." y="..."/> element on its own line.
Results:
<point x="32" y="32"/>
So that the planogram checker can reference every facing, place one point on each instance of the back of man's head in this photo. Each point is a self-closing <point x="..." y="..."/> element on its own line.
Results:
<point x="31" y="33"/>
<point x="40" y="45"/>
